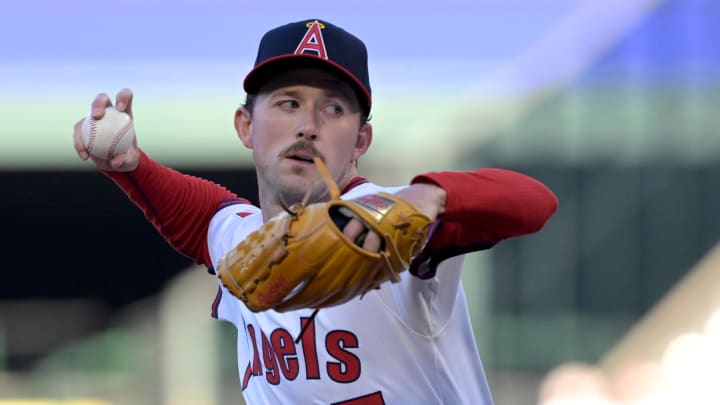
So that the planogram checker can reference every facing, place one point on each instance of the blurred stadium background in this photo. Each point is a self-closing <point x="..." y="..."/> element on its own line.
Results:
<point x="613" y="104"/>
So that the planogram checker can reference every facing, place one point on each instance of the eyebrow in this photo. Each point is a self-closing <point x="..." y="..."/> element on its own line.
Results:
<point x="285" y="92"/>
<point x="339" y="93"/>
<point x="333" y="92"/>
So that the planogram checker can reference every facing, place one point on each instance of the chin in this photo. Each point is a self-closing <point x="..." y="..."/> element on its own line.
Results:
<point x="304" y="191"/>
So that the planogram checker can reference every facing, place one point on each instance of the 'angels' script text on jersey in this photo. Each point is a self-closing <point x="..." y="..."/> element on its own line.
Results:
<point x="277" y="356"/>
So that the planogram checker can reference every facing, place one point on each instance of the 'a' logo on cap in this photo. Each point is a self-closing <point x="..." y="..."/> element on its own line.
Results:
<point x="313" y="41"/>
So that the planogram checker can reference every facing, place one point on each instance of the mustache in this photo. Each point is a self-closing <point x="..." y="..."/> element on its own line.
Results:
<point x="304" y="147"/>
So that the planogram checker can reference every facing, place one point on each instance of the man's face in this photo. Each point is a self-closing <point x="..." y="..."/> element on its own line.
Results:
<point x="300" y="114"/>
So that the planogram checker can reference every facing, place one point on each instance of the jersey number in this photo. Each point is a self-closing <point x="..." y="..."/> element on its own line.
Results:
<point x="375" y="398"/>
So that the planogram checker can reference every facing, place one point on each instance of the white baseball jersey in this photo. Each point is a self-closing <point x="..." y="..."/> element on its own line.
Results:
<point x="407" y="343"/>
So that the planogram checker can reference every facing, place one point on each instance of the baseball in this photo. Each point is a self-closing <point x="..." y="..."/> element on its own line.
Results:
<point x="112" y="134"/>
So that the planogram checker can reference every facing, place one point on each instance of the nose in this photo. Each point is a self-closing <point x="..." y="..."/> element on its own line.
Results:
<point x="308" y="126"/>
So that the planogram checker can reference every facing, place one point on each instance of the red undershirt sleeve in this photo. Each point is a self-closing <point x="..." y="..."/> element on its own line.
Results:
<point x="180" y="206"/>
<point x="482" y="208"/>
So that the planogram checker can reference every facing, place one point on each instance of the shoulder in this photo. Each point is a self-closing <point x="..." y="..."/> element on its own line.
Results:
<point x="231" y="224"/>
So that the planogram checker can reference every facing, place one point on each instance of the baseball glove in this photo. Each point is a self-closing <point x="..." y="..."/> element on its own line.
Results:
<point x="302" y="259"/>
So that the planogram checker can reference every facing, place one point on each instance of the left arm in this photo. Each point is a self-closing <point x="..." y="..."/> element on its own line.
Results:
<point x="497" y="201"/>
<point x="478" y="210"/>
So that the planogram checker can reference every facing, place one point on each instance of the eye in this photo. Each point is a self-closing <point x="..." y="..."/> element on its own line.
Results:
<point x="334" y="109"/>
<point x="288" y="104"/>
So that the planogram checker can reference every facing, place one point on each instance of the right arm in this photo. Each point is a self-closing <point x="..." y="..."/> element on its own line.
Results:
<point x="178" y="205"/>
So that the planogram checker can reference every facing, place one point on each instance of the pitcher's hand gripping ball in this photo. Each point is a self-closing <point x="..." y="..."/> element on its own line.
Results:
<point x="302" y="259"/>
<point x="112" y="134"/>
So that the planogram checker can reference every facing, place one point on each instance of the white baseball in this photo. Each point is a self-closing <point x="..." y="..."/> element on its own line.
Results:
<point x="112" y="134"/>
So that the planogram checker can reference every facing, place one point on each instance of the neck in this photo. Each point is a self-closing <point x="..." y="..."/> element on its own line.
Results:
<point x="270" y="207"/>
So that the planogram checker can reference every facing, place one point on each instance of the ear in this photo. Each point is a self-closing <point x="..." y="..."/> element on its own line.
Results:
<point x="243" y="122"/>
<point x="363" y="140"/>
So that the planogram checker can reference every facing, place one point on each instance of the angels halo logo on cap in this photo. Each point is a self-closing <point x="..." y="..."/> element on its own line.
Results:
<point x="312" y="43"/>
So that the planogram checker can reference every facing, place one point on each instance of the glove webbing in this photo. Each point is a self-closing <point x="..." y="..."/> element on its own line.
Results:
<point x="334" y="195"/>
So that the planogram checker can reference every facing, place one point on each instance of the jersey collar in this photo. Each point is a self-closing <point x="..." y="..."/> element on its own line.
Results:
<point x="354" y="182"/>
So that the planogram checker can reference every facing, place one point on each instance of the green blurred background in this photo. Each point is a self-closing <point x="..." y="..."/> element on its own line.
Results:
<point x="613" y="104"/>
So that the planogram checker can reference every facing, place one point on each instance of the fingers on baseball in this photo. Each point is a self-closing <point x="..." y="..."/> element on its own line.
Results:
<point x="101" y="102"/>
<point x="77" y="141"/>
<point x="123" y="101"/>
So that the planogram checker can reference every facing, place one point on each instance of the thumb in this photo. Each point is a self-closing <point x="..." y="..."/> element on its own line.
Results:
<point x="125" y="162"/>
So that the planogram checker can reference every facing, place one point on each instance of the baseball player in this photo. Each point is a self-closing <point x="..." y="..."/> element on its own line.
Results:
<point x="406" y="342"/>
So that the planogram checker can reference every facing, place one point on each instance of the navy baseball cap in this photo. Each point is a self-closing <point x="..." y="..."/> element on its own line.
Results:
<point x="312" y="43"/>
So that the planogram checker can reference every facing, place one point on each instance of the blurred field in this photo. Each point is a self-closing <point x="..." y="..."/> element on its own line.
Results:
<point x="613" y="104"/>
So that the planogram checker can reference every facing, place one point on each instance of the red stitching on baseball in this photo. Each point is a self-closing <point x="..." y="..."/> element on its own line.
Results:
<point x="92" y="135"/>
<point x="117" y="138"/>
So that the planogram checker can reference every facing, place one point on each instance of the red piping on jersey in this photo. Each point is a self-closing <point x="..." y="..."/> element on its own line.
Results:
<point x="354" y="182"/>
<point x="216" y="303"/>
<point x="231" y="201"/>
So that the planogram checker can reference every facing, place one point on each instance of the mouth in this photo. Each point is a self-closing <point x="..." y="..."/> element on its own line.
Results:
<point x="302" y="158"/>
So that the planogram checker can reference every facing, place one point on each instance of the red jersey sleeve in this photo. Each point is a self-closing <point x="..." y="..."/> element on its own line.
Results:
<point x="180" y="206"/>
<point x="482" y="208"/>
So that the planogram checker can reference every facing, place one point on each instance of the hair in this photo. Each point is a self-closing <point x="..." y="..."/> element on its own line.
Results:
<point x="250" y="99"/>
